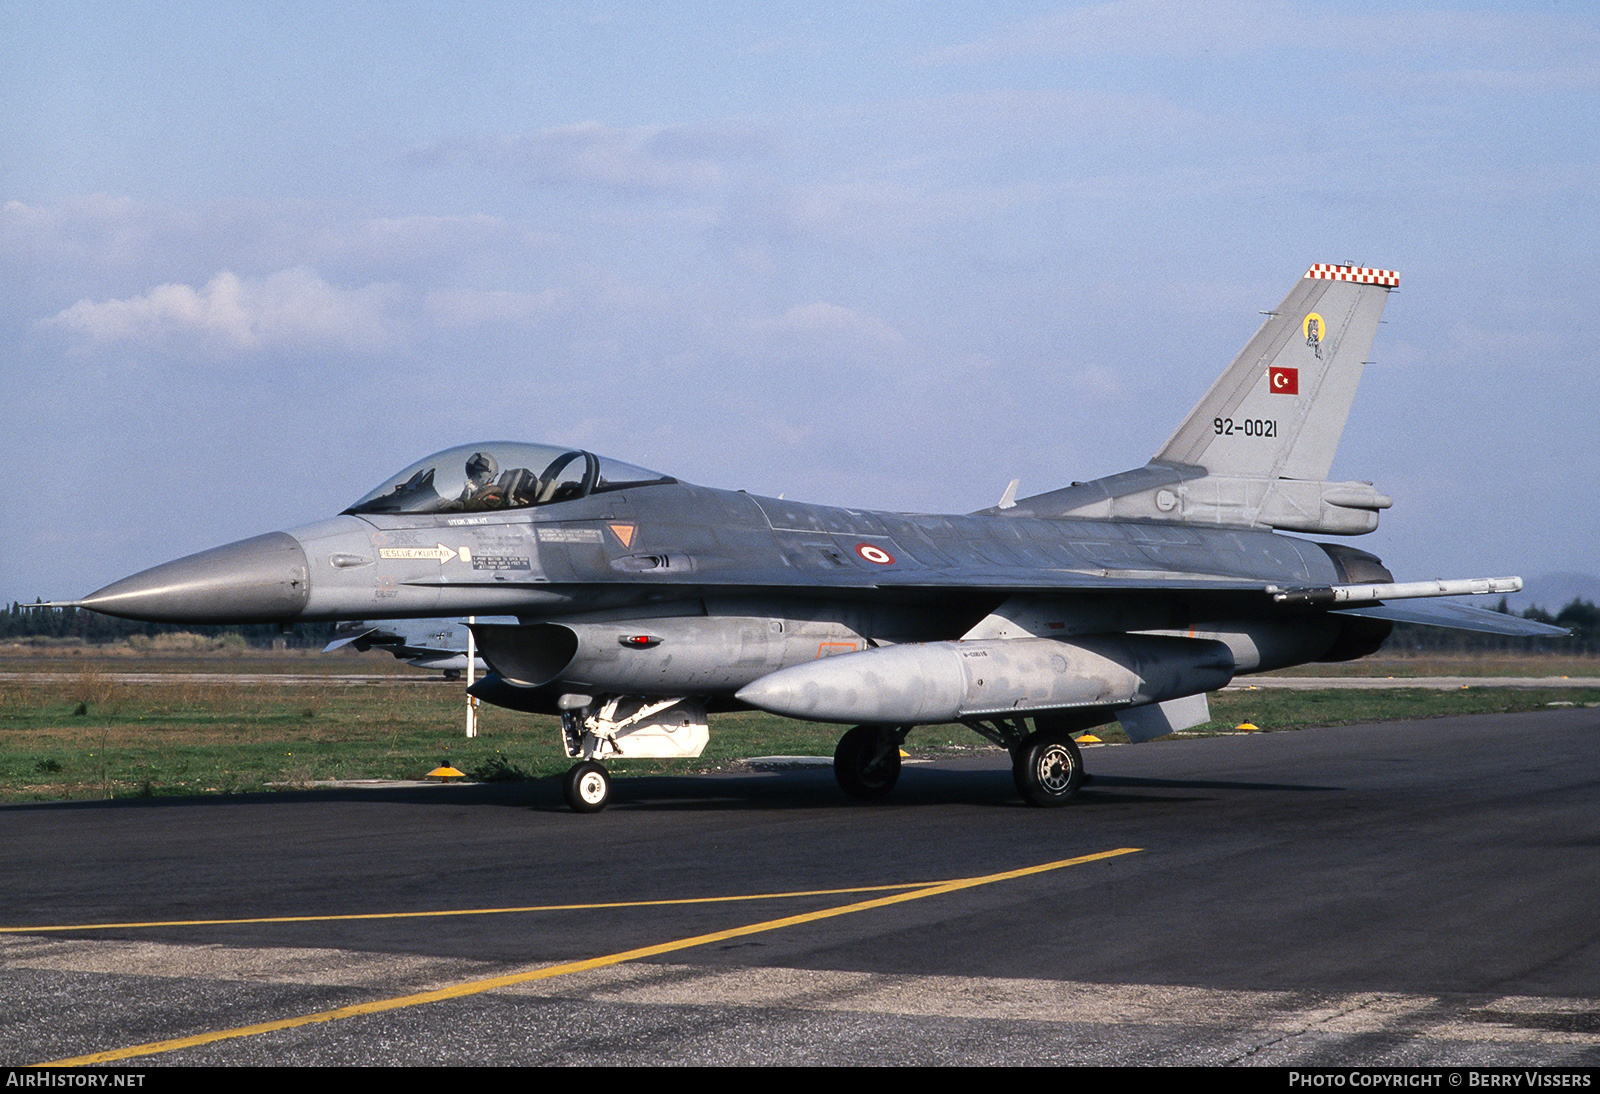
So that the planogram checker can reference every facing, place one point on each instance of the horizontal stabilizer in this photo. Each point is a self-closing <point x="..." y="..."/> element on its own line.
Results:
<point x="1457" y="616"/>
<point x="341" y="643"/>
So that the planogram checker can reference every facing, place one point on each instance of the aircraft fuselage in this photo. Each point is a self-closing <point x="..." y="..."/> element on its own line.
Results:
<point x="735" y="586"/>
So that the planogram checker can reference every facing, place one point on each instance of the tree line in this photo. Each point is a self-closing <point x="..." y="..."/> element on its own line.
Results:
<point x="21" y="621"/>
<point x="1581" y="617"/>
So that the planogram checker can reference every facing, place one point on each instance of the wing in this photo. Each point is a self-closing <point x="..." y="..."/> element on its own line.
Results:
<point x="1378" y="601"/>
<point x="1461" y="617"/>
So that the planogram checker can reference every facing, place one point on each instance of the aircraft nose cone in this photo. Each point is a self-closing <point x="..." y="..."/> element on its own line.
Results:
<point x="259" y="580"/>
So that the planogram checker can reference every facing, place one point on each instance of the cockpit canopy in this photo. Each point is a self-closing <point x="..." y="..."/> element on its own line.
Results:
<point x="501" y="475"/>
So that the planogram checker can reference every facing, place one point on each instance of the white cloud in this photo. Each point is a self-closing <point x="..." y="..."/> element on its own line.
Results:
<point x="1126" y="26"/>
<point x="292" y="308"/>
<point x="831" y="322"/>
<point x="1193" y="27"/>
<point x="100" y="245"/>
<point x="679" y="159"/>
<point x="470" y="308"/>
<point x="857" y="208"/>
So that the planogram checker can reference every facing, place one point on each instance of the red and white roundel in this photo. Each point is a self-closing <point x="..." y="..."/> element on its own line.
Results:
<point x="874" y="554"/>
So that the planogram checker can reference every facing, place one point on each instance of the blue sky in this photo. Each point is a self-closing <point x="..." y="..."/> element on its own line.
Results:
<point x="258" y="257"/>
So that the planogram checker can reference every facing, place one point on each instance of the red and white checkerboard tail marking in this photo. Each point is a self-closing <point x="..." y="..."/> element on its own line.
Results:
<point x="1363" y="275"/>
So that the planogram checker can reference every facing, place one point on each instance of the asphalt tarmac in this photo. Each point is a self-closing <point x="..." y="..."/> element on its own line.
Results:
<point x="1405" y="893"/>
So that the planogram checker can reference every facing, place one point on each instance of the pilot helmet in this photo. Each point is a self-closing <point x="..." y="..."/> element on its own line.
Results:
<point x="481" y="467"/>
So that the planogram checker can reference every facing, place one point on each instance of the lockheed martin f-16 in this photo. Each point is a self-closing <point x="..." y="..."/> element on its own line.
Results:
<point x="638" y="603"/>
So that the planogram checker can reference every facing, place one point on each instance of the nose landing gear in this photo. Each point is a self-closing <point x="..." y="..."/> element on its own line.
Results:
<point x="587" y="787"/>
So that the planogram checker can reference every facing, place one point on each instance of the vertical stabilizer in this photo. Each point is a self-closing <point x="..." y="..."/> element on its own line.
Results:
<point x="1279" y="410"/>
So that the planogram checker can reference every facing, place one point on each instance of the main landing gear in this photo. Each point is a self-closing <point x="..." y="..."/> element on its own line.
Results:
<point x="1045" y="762"/>
<point x="1047" y="768"/>
<point x="867" y="761"/>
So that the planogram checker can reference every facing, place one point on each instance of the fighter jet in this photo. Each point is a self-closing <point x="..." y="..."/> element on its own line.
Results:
<point x="640" y="602"/>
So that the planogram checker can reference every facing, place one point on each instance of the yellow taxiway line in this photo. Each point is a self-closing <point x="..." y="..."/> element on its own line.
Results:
<point x="462" y="911"/>
<point x="474" y="987"/>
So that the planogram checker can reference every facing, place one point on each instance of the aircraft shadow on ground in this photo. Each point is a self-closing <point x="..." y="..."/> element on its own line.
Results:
<point x="1105" y="782"/>
<point x="814" y="789"/>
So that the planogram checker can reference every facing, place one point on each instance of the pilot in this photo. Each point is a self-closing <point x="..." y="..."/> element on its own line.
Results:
<point x="481" y="490"/>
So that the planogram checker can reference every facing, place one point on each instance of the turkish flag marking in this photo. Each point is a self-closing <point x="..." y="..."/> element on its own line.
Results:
<point x="1284" y="381"/>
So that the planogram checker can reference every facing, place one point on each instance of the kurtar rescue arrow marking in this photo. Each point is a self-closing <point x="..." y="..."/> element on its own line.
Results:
<point x="441" y="552"/>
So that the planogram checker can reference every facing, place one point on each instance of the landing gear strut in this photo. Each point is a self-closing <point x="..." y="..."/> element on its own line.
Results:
<point x="867" y="761"/>
<point x="623" y="726"/>
<point x="587" y="787"/>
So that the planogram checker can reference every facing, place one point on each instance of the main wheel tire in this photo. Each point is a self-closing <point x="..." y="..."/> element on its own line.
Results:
<point x="867" y="763"/>
<point x="1048" y="769"/>
<point x="587" y="787"/>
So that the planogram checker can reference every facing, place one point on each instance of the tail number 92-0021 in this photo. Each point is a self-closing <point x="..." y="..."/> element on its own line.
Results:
<point x="1249" y="427"/>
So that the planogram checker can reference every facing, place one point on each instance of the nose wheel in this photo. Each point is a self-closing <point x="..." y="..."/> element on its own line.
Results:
<point x="587" y="787"/>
